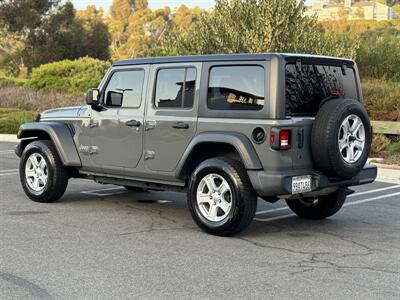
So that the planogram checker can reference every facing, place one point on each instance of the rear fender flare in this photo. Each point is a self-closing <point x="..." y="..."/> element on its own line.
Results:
<point x="239" y="141"/>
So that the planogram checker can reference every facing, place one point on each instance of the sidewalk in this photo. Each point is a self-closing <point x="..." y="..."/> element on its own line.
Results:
<point x="8" y="138"/>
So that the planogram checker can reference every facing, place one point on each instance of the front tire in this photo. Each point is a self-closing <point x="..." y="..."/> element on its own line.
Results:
<point x="43" y="177"/>
<point x="318" y="208"/>
<point x="221" y="198"/>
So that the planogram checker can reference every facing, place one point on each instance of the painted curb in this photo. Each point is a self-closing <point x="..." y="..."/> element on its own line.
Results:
<point x="8" y="138"/>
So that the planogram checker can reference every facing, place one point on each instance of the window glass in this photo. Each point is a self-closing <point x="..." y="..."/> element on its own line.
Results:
<point x="308" y="86"/>
<point x="125" y="89"/>
<point x="236" y="88"/>
<point x="175" y="88"/>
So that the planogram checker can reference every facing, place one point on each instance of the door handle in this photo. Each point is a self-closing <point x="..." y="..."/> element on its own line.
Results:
<point x="133" y="123"/>
<point x="180" y="125"/>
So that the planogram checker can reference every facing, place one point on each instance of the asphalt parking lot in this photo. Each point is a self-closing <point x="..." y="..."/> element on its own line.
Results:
<point x="102" y="242"/>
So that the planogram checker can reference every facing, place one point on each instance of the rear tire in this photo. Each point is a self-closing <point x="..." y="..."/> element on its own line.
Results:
<point x="221" y="198"/>
<point x="43" y="177"/>
<point x="318" y="208"/>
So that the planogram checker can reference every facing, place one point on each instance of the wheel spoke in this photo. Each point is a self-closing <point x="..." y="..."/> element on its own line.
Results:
<point x="359" y="144"/>
<point x="224" y="205"/>
<point x="42" y="164"/>
<point x="203" y="198"/>
<point x="211" y="184"/>
<point x="356" y="125"/>
<point x="350" y="153"/>
<point x="213" y="211"/>
<point x="223" y="188"/>
<point x="342" y="144"/>
<point x="29" y="173"/>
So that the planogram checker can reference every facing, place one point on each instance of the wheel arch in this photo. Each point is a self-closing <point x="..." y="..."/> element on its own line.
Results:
<point x="212" y="144"/>
<point x="60" y="135"/>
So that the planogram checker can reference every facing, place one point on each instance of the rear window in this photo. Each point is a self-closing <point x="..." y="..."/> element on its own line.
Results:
<point x="236" y="88"/>
<point x="308" y="84"/>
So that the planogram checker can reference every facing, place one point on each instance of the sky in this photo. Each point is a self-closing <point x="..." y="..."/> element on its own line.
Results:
<point x="79" y="4"/>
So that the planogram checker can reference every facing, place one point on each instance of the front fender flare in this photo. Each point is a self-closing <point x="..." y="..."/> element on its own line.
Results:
<point x="59" y="134"/>
<point x="239" y="141"/>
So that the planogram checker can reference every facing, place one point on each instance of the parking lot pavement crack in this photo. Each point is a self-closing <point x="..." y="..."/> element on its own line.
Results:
<point x="34" y="290"/>
<point x="293" y="251"/>
<point x="330" y="265"/>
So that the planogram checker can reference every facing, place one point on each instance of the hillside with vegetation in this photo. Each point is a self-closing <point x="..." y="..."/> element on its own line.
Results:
<point x="50" y="53"/>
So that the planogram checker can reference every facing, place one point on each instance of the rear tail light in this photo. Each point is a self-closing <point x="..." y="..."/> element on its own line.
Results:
<point x="280" y="138"/>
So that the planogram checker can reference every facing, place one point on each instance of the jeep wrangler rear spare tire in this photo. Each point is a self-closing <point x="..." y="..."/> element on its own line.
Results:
<point x="341" y="138"/>
<point x="221" y="198"/>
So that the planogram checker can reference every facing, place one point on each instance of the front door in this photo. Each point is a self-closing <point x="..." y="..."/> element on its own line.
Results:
<point x="117" y="129"/>
<point x="171" y="117"/>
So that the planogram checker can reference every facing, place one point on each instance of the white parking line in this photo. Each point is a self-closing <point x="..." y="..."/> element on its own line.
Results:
<point x="9" y="174"/>
<point x="352" y="195"/>
<point x="6" y="151"/>
<point x="345" y="205"/>
<point x="8" y="171"/>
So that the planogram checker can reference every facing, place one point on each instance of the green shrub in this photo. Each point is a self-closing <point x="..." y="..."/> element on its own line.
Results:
<point x="4" y="80"/>
<point x="379" y="143"/>
<point x="70" y="76"/>
<point x="394" y="148"/>
<point x="382" y="99"/>
<point x="12" y="118"/>
<point x="379" y="55"/>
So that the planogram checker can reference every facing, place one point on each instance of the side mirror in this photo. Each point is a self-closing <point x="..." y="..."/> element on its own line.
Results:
<point x="92" y="97"/>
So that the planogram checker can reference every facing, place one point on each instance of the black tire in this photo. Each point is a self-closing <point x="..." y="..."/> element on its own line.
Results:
<point x="57" y="175"/>
<point x="135" y="189"/>
<point x="324" y="207"/>
<point x="243" y="199"/>
<point x="324" y="139"/>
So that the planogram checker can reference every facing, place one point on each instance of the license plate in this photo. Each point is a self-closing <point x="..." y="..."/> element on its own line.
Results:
<point x="301" y="184"/>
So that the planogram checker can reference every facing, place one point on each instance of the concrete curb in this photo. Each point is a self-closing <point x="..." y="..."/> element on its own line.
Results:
<point x="8" y="138"/>
<point x="389" y="175"/>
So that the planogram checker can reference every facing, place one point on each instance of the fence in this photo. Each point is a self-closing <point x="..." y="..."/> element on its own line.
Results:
<point x="386" y="127"/>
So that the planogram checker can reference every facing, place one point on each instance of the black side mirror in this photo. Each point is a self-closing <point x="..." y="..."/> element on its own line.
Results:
<point x="114" y="99"/>
<point x="92" y="97"/>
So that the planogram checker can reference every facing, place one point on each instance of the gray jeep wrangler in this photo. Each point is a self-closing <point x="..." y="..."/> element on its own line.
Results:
<point x="224" y="128"/>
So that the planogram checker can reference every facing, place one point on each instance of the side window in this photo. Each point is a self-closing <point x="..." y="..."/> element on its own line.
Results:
<point x="175" y="88"/>
<point x="236" y="88"/>
<point x="125" y="89"/>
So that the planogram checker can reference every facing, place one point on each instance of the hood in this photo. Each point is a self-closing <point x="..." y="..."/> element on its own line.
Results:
<point x="61" y="113"/>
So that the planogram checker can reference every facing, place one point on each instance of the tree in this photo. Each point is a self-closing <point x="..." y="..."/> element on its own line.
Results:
<point x="97" y="37"/>
<point x="259" y="26"/>
<point x="50" y="31"/>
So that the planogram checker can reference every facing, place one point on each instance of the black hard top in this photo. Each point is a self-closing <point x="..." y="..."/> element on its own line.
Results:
<point x="217" y="57"/>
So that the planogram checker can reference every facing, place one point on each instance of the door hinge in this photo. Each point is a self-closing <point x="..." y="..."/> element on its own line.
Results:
<point x="150" y="125"/>
<point x="149" y="155"/>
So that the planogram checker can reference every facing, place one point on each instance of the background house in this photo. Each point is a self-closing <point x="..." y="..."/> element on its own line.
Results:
<point x="351" y="10"/>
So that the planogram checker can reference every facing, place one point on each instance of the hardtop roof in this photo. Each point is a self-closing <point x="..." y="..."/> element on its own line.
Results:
<point x="220" y="57"/>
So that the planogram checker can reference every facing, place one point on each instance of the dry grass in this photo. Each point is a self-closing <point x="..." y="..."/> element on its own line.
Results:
<point x="382" y="99"/>
<point x="29" y="99"/>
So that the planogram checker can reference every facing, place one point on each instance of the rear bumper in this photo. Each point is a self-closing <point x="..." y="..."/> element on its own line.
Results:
<point x="272" y="184"/>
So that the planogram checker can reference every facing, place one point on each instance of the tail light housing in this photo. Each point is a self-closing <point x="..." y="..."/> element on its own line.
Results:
<point x="280" y="138"/>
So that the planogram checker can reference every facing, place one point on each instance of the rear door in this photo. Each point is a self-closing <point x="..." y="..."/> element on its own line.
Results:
<point x="309" y="82"/>
<point x="171" y="118"/>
